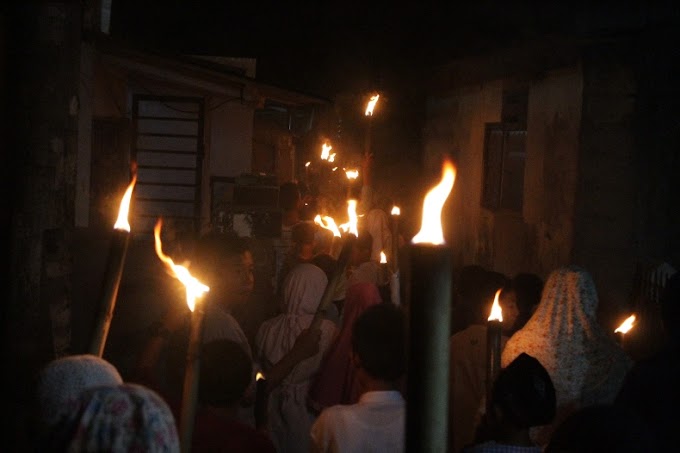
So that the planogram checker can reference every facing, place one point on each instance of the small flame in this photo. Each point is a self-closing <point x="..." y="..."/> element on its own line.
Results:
<point x="259" y="376"/>
<point x="352" y="174"/>
<point x="122" y="221"/>
<point x="383" y="258"/>
<point x="351" y="226"/>
<point x="194" y="288"/>
<point x="328" y="225"/>
<point x="626" y="325"/>
<point x="431" y="228"/>
<point x="371" y="104"/>
<point x="335" y="168"/>
<point x="331" y="158"/>
<point x="396" y="210"/>
<point x="308" y="164"/>
<point x="326" y="151"/>
<point x="496" y="311"/>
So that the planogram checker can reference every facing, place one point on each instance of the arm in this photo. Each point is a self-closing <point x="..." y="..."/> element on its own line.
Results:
<point x="306" y="345"/>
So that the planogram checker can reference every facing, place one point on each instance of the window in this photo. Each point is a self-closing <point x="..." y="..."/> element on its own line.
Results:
<point x="505" y="154"/>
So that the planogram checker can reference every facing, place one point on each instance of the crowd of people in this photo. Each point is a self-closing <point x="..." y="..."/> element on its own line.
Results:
<point x="564" y="386"/>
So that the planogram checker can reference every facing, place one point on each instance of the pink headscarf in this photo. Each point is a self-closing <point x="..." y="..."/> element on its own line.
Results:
<point x="336" y="382"/>
<point x="586" y="366"/>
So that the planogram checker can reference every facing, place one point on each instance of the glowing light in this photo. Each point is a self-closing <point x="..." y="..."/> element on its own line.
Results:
<point x="326" y="151"/>
<point x="371" y="104"/>
<point x="431" y="228"/>
<point x="383" y="258"/>
<point x="327" y="223"/>
<point x="352" y="174"/>
<point x="308" y="164"/>
<point x="122" y="221"/>
<point x="396" y="210"/>
<point x="496" y="311"/>
<point x="259" y="376"/>
<point x="626" y="325"/>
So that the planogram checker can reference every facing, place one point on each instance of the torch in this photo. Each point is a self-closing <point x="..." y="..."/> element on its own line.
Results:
<point x="348" y="240"/>
<point x="384" y="271"/>
<point x="494" y="330"/>
<point x="369" y="113"/>
<point x="352" y="176"/>
<point x="307" y="171"/>
<point x="623" y="329"/>
<point x="396" y="212"/>
<point x="194" y="290"/>
<point x="429" y="315"/>
<point x="114" y="272"/>
<point x="261" y="402"/>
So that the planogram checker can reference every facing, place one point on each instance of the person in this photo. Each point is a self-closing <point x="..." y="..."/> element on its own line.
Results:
<point x="467" y="283"/>
<point x="376" y="422"/>
<point x="519" y="299"/>
<point x="225" y="372"/>
<point x="337" y="381"/>
<point x="651" y="387"/>
<point x="124" y="417"/>
<point x="361" y="267"/>
<point x="605" y="427"/>
<point x="467" y="359"/>
<point x="63" y="379"/>
<point x="290" y="204"/>
<point x="586" y="366"/>
<point x="523" y="396"/>
<point x="302" y="250"/>
<point x="290" y="418"/>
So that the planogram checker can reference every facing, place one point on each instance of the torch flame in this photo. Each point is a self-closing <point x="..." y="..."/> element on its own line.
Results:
<point x="352" y="174"/>
<point x="122" y="221"/>
<point x="329" y="225"/>
<point x="335" y="168"/>
<point x="194" y="288"/>
<point x="396" y="210"/>
<point x="308" y="164"/>
<point x="431" y="228"/>
<point x="496" y="311"/>
<point x="259" y="376"/>
<point x="326" y="151"/>
<point x="351" y="226"/>
<point x="371" y="104"/>
<point x="626" y="325"/>
<point x="383" y="258"/>
<point x="331" y="158"/>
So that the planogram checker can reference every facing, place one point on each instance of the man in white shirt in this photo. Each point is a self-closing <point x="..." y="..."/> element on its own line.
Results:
<point x="376" y="422"/>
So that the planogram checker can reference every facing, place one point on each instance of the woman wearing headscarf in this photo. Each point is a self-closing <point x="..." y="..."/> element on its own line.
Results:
<point x="336" y="382"/>
<point x="126" y="417"/>
<point x="66" y="378"/>
<point x="586" y="366"/>
<point x="290" y="419"/>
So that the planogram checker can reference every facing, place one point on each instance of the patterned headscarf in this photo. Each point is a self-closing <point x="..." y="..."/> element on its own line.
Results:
<point x="586" y="366"/>
<point x="127" y="417"/>
<point x="66" y="378"/>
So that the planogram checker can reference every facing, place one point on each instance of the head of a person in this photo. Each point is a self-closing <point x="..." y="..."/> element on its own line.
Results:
<point x="226" y="371"/>
<point x="361" y="249"/>
<point x="359" y="296"/>
<point x="290" y="197"/>
<point x="66" y="378"/>
<point x="573" y="290"/>
<point x="224" y="263"/>
<point x="378" y="342"/>
<point x="520" y="297"/>
<point x="323" y="241"/>
<point x="303" y="235"/>
<point x="523" y="394"/>
<point x="603" y="428"/>
<point x="670" y="308"/>
<point x="303" y="288"/>
<point x="126" y="417"/>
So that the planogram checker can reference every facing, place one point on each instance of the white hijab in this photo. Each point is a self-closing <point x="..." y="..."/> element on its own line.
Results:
<point x="302" y="291"/>
<point x="586" y="366"/>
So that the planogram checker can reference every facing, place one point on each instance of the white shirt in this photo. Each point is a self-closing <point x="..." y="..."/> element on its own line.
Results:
<point x="374" y="424"/>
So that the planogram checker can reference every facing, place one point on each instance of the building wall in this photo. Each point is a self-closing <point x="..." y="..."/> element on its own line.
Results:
<point x="539" y="238"/>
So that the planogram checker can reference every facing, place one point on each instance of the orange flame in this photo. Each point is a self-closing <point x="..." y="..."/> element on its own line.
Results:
<point x="371" y="104"/>
<point x="383" y="258"/>
<point x="259" y="376"/>
<point x="396" y="210"/>
<point x="352" y="174"/>
<point x="626" y="325"/>
<point x="496" y="311"/>
<point x="308" y="164"/>
<point x="335" y="168"/>
<point x="194" y="288"/>
<point x="331" y="158"/>
<point x="431" y="228"/>
<point x="122" y="221"/>
<point x="351" y="226"/>
<point x="326" y="151"/>
<point x="328" y="225"/>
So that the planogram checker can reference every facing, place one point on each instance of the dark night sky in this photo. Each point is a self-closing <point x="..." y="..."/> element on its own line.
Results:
<point x="326" y="48"/>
